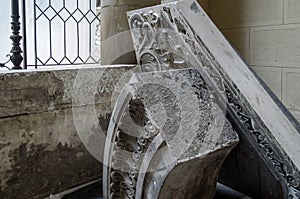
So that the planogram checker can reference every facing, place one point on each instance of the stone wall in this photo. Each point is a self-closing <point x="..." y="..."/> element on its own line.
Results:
<point x="267" y="35"/>
<point x="48" y="122"/>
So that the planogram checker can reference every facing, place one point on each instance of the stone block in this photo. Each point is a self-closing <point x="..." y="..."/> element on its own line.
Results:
<point x="291" y="88"/>
<point x="272" y="77"/>
<point x="291" y="11"/>
<point x="243" y="13"/>
<point x="167" y="138"/>
<point x="29" y="92"/>
<point x="275" y="45"/>
<point x="42" y="154"/>
<point x="52" y="127"/>
<point x="240" y="40"/>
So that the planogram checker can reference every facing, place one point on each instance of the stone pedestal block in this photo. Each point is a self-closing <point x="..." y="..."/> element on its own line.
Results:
<point x="167" y="138"/>
<point x="116" y="40"/>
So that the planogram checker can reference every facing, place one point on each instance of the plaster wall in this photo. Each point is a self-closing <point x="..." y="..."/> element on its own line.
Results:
<point x="267" y="34"/>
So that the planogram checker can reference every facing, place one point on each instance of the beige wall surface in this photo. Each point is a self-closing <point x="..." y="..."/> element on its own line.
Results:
<point x="267" y="34"/>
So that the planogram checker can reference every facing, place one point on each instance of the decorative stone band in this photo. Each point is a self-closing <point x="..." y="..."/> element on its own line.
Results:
<point x="180" y="34"/>
<point x="167" y="138"/>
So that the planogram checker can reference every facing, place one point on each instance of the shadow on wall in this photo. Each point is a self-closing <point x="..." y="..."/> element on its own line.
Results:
<point x="233" y="18"/>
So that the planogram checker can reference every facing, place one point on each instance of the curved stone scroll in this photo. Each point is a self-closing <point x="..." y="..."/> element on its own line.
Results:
<point x="180" y="34"/>
<point x="167" y="138"/>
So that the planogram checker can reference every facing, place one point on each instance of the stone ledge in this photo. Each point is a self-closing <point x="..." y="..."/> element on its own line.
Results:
<point x="35" y="91"/>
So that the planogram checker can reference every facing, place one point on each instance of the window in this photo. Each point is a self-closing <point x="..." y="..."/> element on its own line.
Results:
<point x="58" y="32"/>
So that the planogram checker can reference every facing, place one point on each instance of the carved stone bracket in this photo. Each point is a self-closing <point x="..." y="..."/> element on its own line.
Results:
<point x="180" y="34"/>
<point x="167" y="138"/>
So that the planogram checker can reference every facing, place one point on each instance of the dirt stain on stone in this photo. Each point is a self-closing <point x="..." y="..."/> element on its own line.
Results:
<point x="37" y="172"/>
<point x="3" y="145"/>
<point x="194" y="8"/>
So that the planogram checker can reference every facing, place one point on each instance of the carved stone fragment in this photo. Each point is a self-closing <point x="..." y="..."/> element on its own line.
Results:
<point x="180" y="34"/>
<point x="167" y="138"/>
<point x="115" y="35"/>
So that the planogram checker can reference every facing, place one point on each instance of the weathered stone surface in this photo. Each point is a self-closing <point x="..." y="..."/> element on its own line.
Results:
<point x="42" y="154"/>
<point x="181" y="34"/>
<point x="167" y="138"/>
<point x="50" y="125"/>
<point x="28" y="92"/>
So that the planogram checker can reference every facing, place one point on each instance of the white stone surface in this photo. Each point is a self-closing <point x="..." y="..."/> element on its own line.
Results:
<point x="272" y="77"/>
<point x="291" y="90"/>
<point x="239" y="38"/>
<point x="167" y="122"/>
<point x="245" y="13"/>
<point x="291" y="11"/>
<point x="275" y="45"/>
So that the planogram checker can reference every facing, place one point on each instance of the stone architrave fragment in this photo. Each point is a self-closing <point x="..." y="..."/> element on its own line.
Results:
<point x="167" y="138"/>
<point x="266" y="163"/>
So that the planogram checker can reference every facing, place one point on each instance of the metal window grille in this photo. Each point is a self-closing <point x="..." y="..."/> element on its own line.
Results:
<point x="66" y="32"/>
<point x="58" y="32"/>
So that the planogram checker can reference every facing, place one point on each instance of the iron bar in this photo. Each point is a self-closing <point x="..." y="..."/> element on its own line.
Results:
<point x="16" y="57"/>
<point x="35" y="35"/>
<point x="24" y="34"/>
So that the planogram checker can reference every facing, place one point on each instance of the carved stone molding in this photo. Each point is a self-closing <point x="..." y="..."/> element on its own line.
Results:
<point x="167" y="138"/>
<point x="180" y="34"/>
